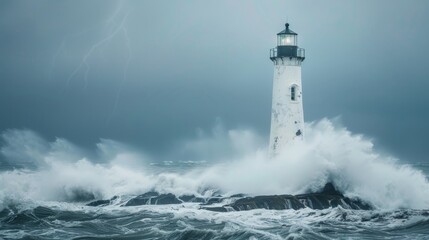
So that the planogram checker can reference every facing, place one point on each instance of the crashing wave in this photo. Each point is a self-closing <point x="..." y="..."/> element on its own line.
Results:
<point x="60" y="171"/>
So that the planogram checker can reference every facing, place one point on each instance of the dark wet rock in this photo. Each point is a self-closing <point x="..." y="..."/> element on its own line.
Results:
<point x="277" y="202"/>
<point x="322" y="201"/>
<point x="328" y="197"/>
<point x="144" y="199"/>
<point x="191" y="198"/>
<point x="330" y="189"/>
<point x="240" y="195"/>
<point x="213" y="200"/>
<point x="165" y="199"/>
<point x="216" y="209"/>
<point x="149" y="194"/>
<point x="153" y="198"/>
<point x="99" y="203"/>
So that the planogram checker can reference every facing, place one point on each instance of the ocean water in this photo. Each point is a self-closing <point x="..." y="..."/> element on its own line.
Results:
<point x="45" y="187"/>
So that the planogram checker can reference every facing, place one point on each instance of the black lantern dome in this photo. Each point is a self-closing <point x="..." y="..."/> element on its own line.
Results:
<point x="287" y="45"/>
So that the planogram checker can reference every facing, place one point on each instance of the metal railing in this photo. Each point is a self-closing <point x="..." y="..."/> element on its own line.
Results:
<point x="273" y="52"/>
<point x="300" y="53"/>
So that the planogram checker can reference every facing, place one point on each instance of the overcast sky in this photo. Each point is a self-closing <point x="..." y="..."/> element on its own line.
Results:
<point x="151" y="72"/>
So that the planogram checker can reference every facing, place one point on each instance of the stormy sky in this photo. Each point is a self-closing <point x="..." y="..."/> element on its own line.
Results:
<point x="150" y="73"/>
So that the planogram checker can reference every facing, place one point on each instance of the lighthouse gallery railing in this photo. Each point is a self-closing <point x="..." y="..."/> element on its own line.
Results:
<point x="300" y="53"/>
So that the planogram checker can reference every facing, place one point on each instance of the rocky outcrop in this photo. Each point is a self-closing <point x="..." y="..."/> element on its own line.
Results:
<point x="328" y="197"/>
<point x="153" y="198"/>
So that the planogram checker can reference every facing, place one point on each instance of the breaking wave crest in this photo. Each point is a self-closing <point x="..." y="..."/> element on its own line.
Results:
<point x="61" y="171"/>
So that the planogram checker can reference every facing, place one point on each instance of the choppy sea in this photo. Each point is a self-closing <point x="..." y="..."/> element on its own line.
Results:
<point x="49" y="199"/>
<point x="75" y="220"/>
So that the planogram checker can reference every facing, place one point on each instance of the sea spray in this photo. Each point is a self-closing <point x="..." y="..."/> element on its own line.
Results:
<point x="60" y="171"/>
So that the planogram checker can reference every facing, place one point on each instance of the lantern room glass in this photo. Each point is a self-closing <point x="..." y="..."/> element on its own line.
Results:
<point x="287" y="40"/>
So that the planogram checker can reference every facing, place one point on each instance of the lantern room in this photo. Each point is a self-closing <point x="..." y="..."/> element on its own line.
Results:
<point x="287" y="37"/>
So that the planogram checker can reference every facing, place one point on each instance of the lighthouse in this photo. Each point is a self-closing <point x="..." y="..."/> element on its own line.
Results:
<point x="287" y="113"/>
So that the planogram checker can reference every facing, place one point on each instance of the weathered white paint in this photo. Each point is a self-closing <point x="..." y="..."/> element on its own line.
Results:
<point x="287" y="117"/>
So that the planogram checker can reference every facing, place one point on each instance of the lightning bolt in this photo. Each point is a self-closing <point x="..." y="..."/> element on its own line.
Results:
<point x="84" y="63"/>
<point x="115" y="25"/>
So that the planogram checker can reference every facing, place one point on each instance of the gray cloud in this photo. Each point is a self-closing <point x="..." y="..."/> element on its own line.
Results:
<point x="70" y="69"/>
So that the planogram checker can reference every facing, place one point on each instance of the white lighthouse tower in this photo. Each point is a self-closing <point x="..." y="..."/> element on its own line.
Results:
<point x="287" y="114"/>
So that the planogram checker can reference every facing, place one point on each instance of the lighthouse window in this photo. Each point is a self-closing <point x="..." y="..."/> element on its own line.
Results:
<point x="293" y="93"/>
<point x="286" y="40"/>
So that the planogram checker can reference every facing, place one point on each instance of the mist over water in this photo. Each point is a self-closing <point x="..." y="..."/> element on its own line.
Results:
<point x="61" y="171"/>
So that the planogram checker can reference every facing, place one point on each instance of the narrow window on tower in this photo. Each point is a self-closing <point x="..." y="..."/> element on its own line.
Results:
<point x="293" y="93"/>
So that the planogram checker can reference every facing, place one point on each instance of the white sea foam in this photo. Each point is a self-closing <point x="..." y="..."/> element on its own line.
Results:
<point x="60" y="171"/>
